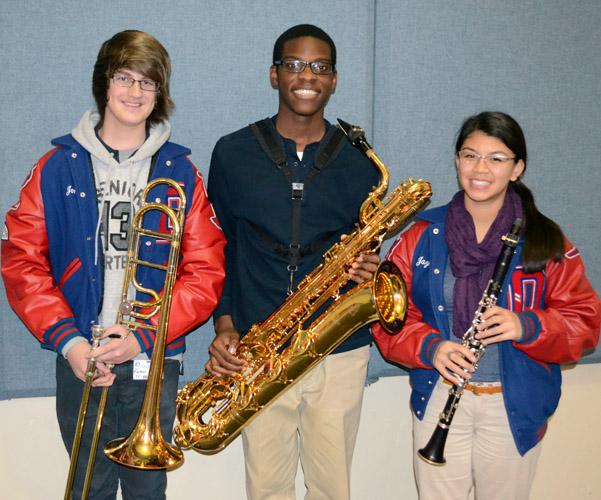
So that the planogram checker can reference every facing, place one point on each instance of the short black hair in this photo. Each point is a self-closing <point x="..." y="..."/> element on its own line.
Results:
<point x="299" y="31"/>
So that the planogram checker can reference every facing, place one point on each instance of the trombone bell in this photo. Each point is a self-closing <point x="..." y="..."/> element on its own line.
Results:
<point x="144" y="450"/>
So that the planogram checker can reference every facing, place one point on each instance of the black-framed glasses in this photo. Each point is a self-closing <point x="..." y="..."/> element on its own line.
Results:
<point x="127" y="81"/>
<point x="298" y="66"/>
<point x="469" y="157"/>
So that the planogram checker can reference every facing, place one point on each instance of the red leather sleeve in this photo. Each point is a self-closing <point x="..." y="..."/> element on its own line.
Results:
<point x="571" y="319"/>
<point x="28" y="280"/>
<point x="201" y="270"/>
<point x="405" y="347"/>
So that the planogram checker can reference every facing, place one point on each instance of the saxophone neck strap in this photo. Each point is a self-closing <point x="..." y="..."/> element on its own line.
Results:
<point x="272" y="144"/>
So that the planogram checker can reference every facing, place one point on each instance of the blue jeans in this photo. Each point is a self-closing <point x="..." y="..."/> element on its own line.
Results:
<point x="124" y="401"/>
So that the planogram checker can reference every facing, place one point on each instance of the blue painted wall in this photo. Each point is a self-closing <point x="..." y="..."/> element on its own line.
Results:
<point x="409" y="72"/>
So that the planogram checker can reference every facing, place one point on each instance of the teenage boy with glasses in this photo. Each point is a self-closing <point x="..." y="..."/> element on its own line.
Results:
<point x="317" y="419"/>
<point x="65" y="245"/>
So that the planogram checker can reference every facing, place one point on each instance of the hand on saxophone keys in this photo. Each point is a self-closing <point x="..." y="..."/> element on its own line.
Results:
<point x="223" y="360"/>
<point x="454" y="361"/>
<point x="364" y="267"/>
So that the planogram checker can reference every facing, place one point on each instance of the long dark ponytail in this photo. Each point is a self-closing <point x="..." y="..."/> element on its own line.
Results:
<point x="544" y="239"/>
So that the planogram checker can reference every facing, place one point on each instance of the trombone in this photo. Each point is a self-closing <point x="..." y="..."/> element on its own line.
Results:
<point x="145" y="448"/>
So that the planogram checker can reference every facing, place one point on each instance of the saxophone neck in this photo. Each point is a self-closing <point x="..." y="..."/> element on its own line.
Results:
<point x="377" y="194"/>
<point x="356" y="135"/>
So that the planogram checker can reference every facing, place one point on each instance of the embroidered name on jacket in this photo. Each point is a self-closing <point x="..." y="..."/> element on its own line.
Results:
<point x="422" y="262"/>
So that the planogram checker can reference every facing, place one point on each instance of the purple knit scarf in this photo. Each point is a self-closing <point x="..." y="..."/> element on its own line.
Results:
<point x="472" y="263"/>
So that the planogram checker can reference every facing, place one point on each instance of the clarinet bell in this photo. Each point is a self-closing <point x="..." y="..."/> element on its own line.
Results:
<point x="433" y="452"/>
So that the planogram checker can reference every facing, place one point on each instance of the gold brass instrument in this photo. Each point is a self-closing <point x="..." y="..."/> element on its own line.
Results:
<point x="145" y="448"/>
<point x="212" y="411"/>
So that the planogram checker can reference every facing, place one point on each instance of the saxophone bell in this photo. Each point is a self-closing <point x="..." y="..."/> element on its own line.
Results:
<point x="390" y="296"/>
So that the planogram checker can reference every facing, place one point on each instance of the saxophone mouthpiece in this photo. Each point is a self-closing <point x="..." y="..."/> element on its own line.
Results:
<point x="356" y="135"/>
<point x="353" y="132"/>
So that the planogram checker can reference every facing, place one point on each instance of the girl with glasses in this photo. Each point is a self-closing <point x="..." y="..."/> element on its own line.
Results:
<point x="547" y="313"/>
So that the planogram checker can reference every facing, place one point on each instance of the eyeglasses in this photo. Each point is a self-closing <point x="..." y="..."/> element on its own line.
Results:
<point x="127" y="81"/>
<point x="469" y="158"/>
<point x="298" y="66"/>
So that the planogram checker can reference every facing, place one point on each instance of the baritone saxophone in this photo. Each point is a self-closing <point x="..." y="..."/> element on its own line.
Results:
<point x="212" y="411"/>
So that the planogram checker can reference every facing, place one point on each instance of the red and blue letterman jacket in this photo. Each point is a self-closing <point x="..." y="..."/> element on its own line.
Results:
<point x="559" y="311"/>
<point x="48" y="248"/>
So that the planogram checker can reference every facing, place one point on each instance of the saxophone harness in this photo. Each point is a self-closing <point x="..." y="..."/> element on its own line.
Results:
<point x="273" y="146"/>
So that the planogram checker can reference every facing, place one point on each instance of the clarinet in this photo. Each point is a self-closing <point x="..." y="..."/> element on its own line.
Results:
<point x="433" y="452"/>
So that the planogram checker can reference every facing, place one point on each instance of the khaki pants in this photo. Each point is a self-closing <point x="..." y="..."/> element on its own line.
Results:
<point x="316" y="420"/>
<point x="480" y="452"/>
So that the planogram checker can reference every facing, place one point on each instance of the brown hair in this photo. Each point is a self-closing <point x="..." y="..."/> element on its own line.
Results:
<point x="140" y="52"/>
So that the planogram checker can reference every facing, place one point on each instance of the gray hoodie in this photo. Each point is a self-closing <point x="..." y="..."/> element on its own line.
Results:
<point x="119" y="186"/>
